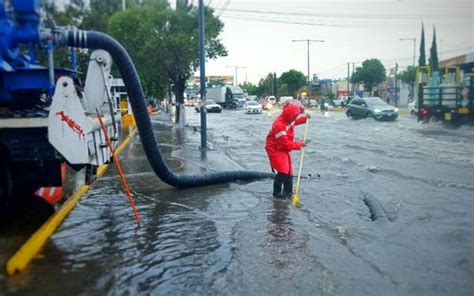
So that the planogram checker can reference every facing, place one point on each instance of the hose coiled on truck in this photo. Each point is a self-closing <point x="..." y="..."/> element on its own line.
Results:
<point x="98" y="40"/>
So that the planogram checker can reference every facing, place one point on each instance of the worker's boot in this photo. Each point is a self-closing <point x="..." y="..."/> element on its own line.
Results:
<point x="277" y="184"/>
<point x="288" y="186"/>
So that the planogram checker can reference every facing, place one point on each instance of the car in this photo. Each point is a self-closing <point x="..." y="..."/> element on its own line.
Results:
<point x="272" y="100"/>
<point x="253" y="107"/>
<point x="236" y="103"/>
<point x="373" y="107"/>
<point x="348" y="100"/>
<point x="412" y="108"/>
<point x="211" y="107"/>
<point x="241" y="103"/>
<point x="339" y="102"/>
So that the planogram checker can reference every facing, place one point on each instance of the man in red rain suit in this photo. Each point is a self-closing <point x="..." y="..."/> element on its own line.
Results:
<point x="279" y="143"/>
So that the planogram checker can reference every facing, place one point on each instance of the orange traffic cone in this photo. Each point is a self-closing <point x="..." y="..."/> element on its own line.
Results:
<point x="55" y="193"/>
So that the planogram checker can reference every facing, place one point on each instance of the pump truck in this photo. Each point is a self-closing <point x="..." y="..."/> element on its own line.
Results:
<point x="47" y="116"/>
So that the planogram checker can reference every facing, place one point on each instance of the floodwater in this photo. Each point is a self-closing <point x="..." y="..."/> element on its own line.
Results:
<point x="235" y="239"/>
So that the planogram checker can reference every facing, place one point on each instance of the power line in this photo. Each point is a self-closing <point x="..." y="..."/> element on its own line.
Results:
<point x="333" y="68"/>
<point x="385" y="61"/>
<point x="268" y="18"/>
<point x="216" y="7"/>
<point x="281" y="21"/>
<point x="224" y="8"/>
<point x="346" y="16"/>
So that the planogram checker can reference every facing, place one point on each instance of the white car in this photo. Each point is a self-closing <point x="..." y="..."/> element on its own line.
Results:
<point x="211" y="107"/>
<point x="272" y="100"/>
<point x="339" y="102"/>
<point x="253" y="107"/>
<point x="313" y="103"/>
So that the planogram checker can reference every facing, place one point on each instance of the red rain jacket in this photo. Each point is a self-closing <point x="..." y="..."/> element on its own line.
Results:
<point x="280" y="139"/>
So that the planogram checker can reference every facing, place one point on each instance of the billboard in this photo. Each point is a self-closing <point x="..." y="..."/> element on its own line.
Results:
<point x="216" y="79"/>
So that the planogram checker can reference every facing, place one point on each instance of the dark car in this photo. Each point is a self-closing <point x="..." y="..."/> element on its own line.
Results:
<point x="373" y="107"/>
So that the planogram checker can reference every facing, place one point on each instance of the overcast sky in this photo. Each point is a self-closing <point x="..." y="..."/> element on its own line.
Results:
<point x="258" y="34"/>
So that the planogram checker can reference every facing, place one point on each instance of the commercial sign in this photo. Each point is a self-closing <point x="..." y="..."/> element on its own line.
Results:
<point x="217" y="79"/>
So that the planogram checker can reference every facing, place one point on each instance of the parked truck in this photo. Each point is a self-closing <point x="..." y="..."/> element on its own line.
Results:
<point x="230" y="97"/>
<point x="446" y="97"/>
<point x="48" y="117"/>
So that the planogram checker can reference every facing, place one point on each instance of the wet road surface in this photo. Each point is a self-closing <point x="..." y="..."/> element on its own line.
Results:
<point x="235" y="239"/>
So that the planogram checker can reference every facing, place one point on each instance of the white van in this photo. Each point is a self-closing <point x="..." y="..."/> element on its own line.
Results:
<point x="272" y="100"/>
<point x="283" y="99"/>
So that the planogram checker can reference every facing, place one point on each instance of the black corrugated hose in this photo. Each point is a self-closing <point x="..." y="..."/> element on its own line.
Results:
<point x="97" y="40"/>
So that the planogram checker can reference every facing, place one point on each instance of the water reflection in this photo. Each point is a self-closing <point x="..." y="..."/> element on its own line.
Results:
<point x="179" y="136"/>
<point x="279" y="228"/>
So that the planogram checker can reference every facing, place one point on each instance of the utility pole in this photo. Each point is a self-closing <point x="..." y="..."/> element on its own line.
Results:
<point x="352" y="84"/>
<point x="396" y="84"/>
<point x="202" y="78"/>
<point x="348" y="69"/>
<point x="124" y="5"/>
<point x="414" y="47"/>
<point x="307" y="42"/>
<point x="274" y="77"/>
<point x="236" y="83"/>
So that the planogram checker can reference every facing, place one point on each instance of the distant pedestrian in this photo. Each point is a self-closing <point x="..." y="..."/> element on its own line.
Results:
<point x="279" y="144"/>
<point x="322" y="105"/>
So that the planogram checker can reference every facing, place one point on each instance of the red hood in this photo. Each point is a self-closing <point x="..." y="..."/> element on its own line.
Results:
<point x="290" y="112"/>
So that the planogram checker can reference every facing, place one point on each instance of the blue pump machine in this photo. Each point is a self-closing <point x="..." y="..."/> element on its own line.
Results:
<point x="27" y="159"/>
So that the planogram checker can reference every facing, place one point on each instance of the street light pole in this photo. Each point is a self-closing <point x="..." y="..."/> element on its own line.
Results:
<point x="236" y="68"/>
<point x="307" y="42"/>
<point x="414" y="47"/>
<point x="202" y="74"/>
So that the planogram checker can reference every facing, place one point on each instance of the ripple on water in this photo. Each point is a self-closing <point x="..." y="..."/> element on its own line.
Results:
<point x="175" y="249"/>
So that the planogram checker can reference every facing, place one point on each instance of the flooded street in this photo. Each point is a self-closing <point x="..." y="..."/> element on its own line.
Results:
<point x="235" y="239"/>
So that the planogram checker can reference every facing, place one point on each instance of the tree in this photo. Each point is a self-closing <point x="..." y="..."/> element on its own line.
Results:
<point x="294" y="80"/>
<point x="268" y="85"/>
<point x="422" y="58"/>
<point x="370" y="74"/>
<point x="164" y="43"/>
<point x="283" y="90"/>
<point x="70" y="15"/>
<point x="434" y="53"/>
<point x="131" y="28"/>
<point x="408" y="76"/>
<point x="249" y="88"/>
<point x="77" y="13"/>
<point x="99" y="13"/>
